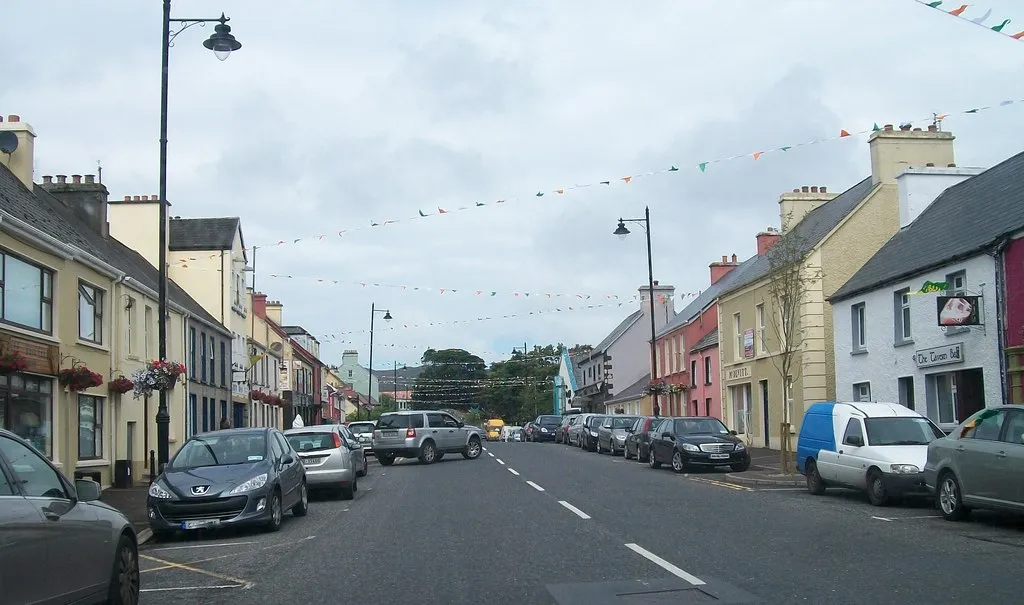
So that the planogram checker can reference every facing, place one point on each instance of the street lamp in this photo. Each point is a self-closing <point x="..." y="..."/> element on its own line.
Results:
<point x="222" y="43"/>
<point x="622" y="232"/>
<point x="369" y="384"/>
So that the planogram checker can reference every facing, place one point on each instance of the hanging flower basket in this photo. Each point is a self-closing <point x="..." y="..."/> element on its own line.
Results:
<point x="273" y="399"/>
<point x="259" y="396"/>
<point x="657" y="388"/>
<point x="79" y="378"/>
<point x="678" y="388"/>
<point x="120" y="385"/>
<point x="158" y="375"/>
<point x="12" y="362"/>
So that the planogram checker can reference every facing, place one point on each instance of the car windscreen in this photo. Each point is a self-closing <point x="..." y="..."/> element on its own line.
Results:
<point x="360" y="428"/>
<point x="218" y="449"/>
<point x="400" y="421"/>
<point x="699" y="426"/>
<point x="594" y="422"/>
<point x="623" y="422"/>
<point x="902" y="430"/>
<point x="311" y="441"/>
<point x="549" y="420"/>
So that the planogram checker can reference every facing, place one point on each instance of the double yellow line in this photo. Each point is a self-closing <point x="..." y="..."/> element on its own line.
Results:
<point x="741" y="488"/>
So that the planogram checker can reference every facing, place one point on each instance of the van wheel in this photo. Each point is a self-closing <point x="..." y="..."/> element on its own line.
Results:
<point x="877" y="493"/>
<point x="815" y="484"/>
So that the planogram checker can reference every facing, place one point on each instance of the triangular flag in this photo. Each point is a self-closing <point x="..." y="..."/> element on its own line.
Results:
<point x="703" y="166"/>
<point x="843" y="133"/>
<point x="1019" y="35"/>
<point x="999" y="28"/>
<point x="559" y="190"/>
<point x="972" y="111"/>
<point x="786" y="148"/>
<point x="874" y="127"/>
<point x="479" y="292"/>
<point x="422" y="213"/>
<point x="478" y="204"/>
<point x="493" y="293"/>
<point x="442" y="290"/>
<point x="958" y="11"/>
<point x="983" y="18"/>
<point x="606" y="182"/>
<point x="757" y="154"/>
<point x="540" y="194"/>
<point x="627" y="179"/>
<point x="442" y="210"/>
<point x="500" y="202"/>
<point x="674" y="169"/>
<point x="373" y="224"/>
<point x="935" y="4"/>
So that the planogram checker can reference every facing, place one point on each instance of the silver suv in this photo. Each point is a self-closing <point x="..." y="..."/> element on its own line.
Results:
<point x="427" y="435"/>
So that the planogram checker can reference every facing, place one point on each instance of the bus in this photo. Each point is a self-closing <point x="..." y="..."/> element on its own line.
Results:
<point x="493" y="428"/>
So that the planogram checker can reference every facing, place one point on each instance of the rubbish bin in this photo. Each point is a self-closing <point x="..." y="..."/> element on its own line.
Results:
<point x="123" y="473"/>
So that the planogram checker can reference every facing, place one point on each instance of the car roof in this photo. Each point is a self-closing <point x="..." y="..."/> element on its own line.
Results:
<point x="239" y="431"/>
<point x="313" y="428"/>
<point x="878" y="409"/>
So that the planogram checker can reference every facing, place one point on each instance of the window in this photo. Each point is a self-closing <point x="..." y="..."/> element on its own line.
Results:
<point x="26" y="294"/>
<point x="761" y="331"/>
<point x="707" y="370"/>
<point x="901" y="317"/>
<point x="192" y="353"/>
<point x="26" y="405"/>
<point x="853" y="429"/>
<point x="90" y="313"/>
<point x="213" y="361"/>
<point x="862" y="391"/>
<point x="693" y="373"/>
<point x="905" y="385"/>
<point x="858" y="327"/>
<point x="148" y="334"/>
<point x="350" y="373"/>
<point x="130" y="328"/>
<point x="193" y="403"/>
<point x="90" y="427"/>
<point x="37" y="478"/>
<point x="202" y="357"/>
<point x="223" y="364"/>
<point x="986" y="425"/>
<point x="737" y="329"/>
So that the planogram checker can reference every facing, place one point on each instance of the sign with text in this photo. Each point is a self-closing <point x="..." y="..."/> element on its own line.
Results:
<point x="940" y="356"/>
<point x="737" y="373"/>
<point x="748" y="343"/>
<point x="959" y="310"/>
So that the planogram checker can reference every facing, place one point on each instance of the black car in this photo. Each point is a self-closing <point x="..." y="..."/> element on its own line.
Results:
<point x="696" y="442"/>
<point x="544" y="428"/>
<point x="226" y="478"/>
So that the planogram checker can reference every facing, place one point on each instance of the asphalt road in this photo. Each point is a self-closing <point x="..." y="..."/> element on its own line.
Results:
<point x="545" y="523"/>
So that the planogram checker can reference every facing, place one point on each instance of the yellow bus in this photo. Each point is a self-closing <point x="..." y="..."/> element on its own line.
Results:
<point x="493" y="427"/>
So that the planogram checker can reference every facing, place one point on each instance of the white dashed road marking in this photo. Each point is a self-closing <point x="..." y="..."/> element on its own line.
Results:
<point x="535" y="486"/>
<point x="500" y="461"/>
<point x="662" y="563"/>
<point x="490" y="454"/>
<point x="880" y="518"/>
<point x="222" y="586"/>
<point x="579" y="513"/>
<point x="514" y="471"/>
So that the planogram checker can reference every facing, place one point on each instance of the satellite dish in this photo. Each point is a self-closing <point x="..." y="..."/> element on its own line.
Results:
<point x="8" y="141"/>
<point x="276" y="347"/>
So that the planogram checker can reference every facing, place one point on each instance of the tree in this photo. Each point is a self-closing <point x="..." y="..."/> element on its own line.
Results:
<point x="519" y="388"/>
<point x="451" y="377"/>
<point x="789" y="281"/>
<point x="580" y="350"/>
<point x="385" y="404"/>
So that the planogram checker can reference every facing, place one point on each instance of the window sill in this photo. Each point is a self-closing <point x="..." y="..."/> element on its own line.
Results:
<point x="903" y="343"/>
<point x="29" y="333"/>
<point x="93" y="345"/>
<point x="859" y="352"/>
<point x="92" y="463"/>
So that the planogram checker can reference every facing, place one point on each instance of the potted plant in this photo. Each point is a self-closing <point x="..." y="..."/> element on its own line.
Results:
<point x="12" y="362"/>
<point x="79" y="378"/>
<point x="657" y="387"/>
<point x="158" y="375"/>
<point x="120" y="385"/>
<point x="678" y="388"/>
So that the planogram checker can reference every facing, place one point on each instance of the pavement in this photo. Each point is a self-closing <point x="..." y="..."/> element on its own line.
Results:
<point x="550" y="524"/>
<point x="132" y="502"/>
<point x="766" y="469"/>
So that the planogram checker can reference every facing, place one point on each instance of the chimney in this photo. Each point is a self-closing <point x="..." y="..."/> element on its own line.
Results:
<point x="721" y="269"/>
<point x="274" y="311"/>
<point x="794" y="206"/>
<point x="893" y="151"/>
<point x="134" y="221"/>
<point x="766" y="239"/>
<point x="664" y="304"/>
<point x="259" y="304"/>
<point x="18" y="152"/>
<point x="88" y="200"/>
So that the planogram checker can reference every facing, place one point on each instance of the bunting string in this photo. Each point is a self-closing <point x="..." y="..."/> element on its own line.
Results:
<point x="620" y="181"/>
<point x="963" y="14"/>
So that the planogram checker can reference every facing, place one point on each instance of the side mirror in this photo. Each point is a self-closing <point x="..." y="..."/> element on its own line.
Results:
<point x="87" y="490"/>
<point x="667" y="435"/>
<point x="733" y="432"/>
<point x="287" y="459"/>
<point x="462" y="424"/>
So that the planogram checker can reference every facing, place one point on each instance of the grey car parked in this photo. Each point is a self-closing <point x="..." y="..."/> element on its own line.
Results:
<point x="611" y="437"/>
<point x="58" y="542"/>
<point x="427" y="435"/>
<point x="332" y="456"/>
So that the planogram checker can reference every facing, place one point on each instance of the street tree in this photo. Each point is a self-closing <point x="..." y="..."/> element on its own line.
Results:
<point x="450" y="377"/>
<point x="519" y="388"/>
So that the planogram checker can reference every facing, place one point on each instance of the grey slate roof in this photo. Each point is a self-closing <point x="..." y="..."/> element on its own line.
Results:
<point x="46" y="213"/>
<point x="614" y="335"/>
<point x="809" y="231"/>
<point x="633" y="391"/>
<point x="708" y="296"/>
<point x="963" y="221"/>
<point x="202" y="233"/>
<point x="706" y="342"/>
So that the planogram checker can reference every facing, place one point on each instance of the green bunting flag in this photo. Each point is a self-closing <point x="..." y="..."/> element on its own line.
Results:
<point x="999" y="28"/>
<point x="786" y="148"/>
<point x="875" y="128"/>
<point x="703" y="166"/>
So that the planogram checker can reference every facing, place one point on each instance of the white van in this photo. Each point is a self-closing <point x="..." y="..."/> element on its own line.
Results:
<point x="880" y="448"/>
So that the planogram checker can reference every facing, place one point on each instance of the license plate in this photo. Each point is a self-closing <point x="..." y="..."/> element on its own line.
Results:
<point x="312" y="461"/>
<point x="389" y="433"/>
<point x="719" y="456"/>
<point x="200" y="523"/>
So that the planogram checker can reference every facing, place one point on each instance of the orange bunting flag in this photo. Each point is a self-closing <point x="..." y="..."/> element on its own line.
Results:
<point x="959" y="11"/>
<point x="627" y="179"/>
<point x="758" y="154"/>
<point x="442" y="210"/>
<point x="1018" y="35"/>
<point x="843" y="133"/>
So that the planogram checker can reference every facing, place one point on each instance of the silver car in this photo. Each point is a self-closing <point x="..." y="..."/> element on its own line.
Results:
<point x="332" y="457"/>
<point x="611" y="437"/>
<point x="363" y="430"/>
<point x="427" y="435"/>
<point x="58" y="542"/>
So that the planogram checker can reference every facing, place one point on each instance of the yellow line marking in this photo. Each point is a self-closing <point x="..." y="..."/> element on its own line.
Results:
<point x="741" y="488"/>
<point x="229" y="555"/>
<point x="244" y="583"/>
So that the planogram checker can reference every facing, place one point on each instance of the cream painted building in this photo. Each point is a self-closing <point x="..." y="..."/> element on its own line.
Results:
<point x="267" y="343"/>
<point x="832" y="236"/>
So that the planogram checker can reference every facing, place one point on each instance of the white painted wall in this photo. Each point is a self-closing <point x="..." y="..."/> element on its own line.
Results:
<point x="918" y="188"/>
<point x="884" y="362"/>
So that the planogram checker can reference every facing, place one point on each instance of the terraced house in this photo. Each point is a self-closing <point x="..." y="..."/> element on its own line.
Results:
<point x="776" y="332"/>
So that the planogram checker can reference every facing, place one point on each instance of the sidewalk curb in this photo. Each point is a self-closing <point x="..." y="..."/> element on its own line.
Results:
<point x="144" y="536"/>
<point x="796" y="481"/>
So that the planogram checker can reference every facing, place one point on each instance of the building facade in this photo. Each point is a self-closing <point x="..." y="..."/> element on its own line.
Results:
<point x="357" y="376"/>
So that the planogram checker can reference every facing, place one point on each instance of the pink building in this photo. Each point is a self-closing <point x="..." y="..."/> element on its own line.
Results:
<point x="1013" y="318"/>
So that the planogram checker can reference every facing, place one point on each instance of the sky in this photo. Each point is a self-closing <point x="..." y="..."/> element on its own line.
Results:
<point x="336" y="115"/>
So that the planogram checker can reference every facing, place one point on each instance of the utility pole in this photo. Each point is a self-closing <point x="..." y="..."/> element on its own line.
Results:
<point x="395" y="396"/>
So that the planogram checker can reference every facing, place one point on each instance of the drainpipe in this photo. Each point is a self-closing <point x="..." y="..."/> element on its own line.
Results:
<point x="998" y="259"/>
<point x="186" y="318"/>
<point x="115" y="347"/>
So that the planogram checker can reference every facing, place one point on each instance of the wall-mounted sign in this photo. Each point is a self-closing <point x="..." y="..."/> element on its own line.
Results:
<point x="40" y="357"/>
<point x="284" y="377"/>
<point x="939" y="356"/>
<point x="748" y="343"/>
<point x="959" y="311"/>
<point x="737" y="373"/>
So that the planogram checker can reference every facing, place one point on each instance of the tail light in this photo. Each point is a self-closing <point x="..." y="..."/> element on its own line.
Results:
<point x="410" y="433"/>
<point x="337" y="439"/>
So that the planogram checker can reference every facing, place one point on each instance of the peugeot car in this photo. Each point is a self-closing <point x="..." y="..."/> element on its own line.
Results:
<point x="232" y="477"/>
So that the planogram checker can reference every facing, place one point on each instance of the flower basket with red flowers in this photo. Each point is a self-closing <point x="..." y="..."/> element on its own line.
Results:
<point x="79" y="378"/>
<point x="158" y="375"/>
<point x="274" y="400"/>
<point x="12" y="362"/>
<point x="657" y="387"/>
<point x="257" y="395"/>
<point x="675" y="389"/>
<point x="120" y="385"/>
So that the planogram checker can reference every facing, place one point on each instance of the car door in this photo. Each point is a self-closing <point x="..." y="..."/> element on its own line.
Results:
<point x="456" y="434"/>
<point x="656" y="442"/>
<point x="356" y="453"/>
<point x="978" y="458"/>
<point x="291" y="471"/>
<point x="76" y="543"/>
<point x="851" y="466"/>
<point x="24" y="547"/>
<point x="438" y="431"/>
<point x="1011" y="490"/>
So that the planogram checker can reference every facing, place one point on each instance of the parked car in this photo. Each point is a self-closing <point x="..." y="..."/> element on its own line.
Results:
<point x="696" y="441"/>
<point x="979" y="464"/>
<point x="544" y="428"/>
<point x="332" y="457"/>
<point x="363" y="430"/>
<point x="247" y="476"/>
<point x="611" y="437"/>
<point x="427" y="435"/>
<point x="583" y="433"/>
<point x="638" y="439"/>
<point x="880" y="448"/>
<point x="58" y="542"/>
<point x="562" y="432"/>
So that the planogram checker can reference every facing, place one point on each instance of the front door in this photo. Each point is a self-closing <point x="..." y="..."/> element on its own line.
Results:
<point x="764" y="413"/>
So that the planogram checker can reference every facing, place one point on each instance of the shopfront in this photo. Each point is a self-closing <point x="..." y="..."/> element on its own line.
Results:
<point x="952" y="392"/>
<point x="27" y="395"/>
<point x="738" y="387"/>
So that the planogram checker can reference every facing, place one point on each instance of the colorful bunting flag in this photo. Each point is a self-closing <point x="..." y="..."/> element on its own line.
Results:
<point x="979" y="20"/>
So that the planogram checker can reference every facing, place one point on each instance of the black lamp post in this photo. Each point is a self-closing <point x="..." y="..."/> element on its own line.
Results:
<point x="526" y="380"/>
<point x="369" y="384"/>
<point x="622" y="232"/>
<point x="222" y="43"/>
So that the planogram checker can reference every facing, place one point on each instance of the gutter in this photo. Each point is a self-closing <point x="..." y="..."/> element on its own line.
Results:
<point x="998" y="259"/>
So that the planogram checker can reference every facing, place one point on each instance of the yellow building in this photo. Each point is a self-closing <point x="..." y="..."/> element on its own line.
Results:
<point x="267" y="345"/>
<point x="762" y="335"/>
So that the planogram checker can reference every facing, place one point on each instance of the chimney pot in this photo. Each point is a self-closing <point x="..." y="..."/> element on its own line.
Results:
<point x="62" y="179"/>
<point x="725" y="258"/>
<point x="950" y="165"/>
<point x="917" y="130"/>
<point x="1" y="118"/>
<point x="930" y="164"/>
<point x="797" y="190"/>
<point x="888" y="128"/>
<point x="933" y="128"/>
<point x="905" y="127"/>
<point x="127" y="198"/>
<point x="14" y="118"/>
<point x="814" y="189"/>
<point x="734" y="259"/>
<point x="90" y="179"/>
<point x="805" y="189"/>
<point x="655" y="282"/>
<point x="47" y="179"/>
<point x="153" y="198"/>
<point x="823" y="189"/>
<point x="137" y="198"/>
<point x="76" y="179"/>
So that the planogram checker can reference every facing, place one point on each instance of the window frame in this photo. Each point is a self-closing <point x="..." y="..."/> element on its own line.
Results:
<point x="202" y="356"/>
<point x="858" y="395"/>
<point x="46" y="278"/>
<point x="901" y="318"/>
<point x="737" y="326"/>
<point x="858" y="327"/>
<point x="762" y="329"/>
<point x="97" y="302"/>
<point x="97" y="426"/>
<point x="707" y="370"/>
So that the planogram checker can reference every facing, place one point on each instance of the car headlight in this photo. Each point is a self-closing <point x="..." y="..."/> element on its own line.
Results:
<point x="158" y="492"/>
<point x="690" y="447"/>
<point x="593" y="434"/>
<point x="904" y="469"/>
<point x="543" y="430"/>
<point x="740" y="446"/>
<point x="255" y="483"/>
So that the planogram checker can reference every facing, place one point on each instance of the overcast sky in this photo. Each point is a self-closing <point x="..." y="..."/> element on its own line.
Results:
<point x="337" y="114"/>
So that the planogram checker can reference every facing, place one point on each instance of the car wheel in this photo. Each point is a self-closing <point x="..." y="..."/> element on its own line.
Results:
<point x="652" y="460"/>
<point x="472" y="450"/>
<point x="677" y="462"/>
<point x="877" y="494"/>
<point x="815" y="484"/>
<point x="124" y="580"/>
<point x="276" y="512"/>
<point x="302" y="507"/>
<point x="386" y="459"/>
<point x="949" y="498"/>
<point x="366" y="468"/>
<point x="428" y="452"/>
<point x="349" y="491"/>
